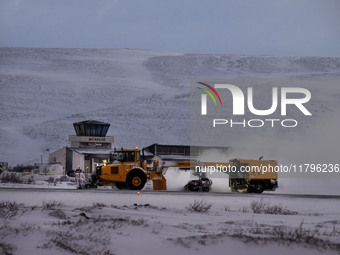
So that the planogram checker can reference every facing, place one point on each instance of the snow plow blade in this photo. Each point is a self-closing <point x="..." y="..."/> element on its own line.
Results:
<point x="158" y="181"/>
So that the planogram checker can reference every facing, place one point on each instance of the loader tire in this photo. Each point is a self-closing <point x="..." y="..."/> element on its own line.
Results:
<point x="121" y="185"/>
<point x="136" y="179"/>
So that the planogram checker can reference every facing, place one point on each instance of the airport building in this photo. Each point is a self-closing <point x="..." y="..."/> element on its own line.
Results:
<point x="89" y="147"/>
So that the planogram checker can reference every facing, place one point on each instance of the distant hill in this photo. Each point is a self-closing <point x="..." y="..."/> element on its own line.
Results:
<point x="143" y="94"/>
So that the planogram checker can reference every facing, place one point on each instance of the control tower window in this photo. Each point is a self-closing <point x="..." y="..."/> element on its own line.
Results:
<point x="91" y="128"/>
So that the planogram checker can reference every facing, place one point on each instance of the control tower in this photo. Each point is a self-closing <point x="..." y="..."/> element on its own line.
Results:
<point x="88" y="148"/>
<point x="91" y="134"/>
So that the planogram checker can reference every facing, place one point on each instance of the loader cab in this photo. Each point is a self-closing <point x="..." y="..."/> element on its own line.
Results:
<point x="127" y="156"/>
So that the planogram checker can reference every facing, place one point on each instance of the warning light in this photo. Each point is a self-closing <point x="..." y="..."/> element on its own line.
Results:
<point x="104" y="161"/>
<point x="138" y="193"/>
<point x="136" y="148"/>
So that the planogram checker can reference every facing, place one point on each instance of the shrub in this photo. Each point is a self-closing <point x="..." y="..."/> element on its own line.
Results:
<point x="98" y="205"/>
<point x="10" y="206"/>
<point x="10" y="209"/>
<point x="30" y="180"/>
<point x="51" y="204"/>
<point x="50" y="180"/>
<point x="258" y="206"/>
<point x="199" y="206"/>
<point x="261" y="206"/>
<point x="11" y="177"/>
<point x="6" y="249"/>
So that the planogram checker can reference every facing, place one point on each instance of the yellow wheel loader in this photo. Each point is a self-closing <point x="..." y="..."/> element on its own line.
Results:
<point x="129" y="171"/>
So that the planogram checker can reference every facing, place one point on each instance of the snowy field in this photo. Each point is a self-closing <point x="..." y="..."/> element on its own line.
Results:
<point x="53" y="217"/>
<point x="50" y="221"/>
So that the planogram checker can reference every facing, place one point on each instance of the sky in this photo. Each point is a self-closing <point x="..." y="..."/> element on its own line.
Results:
<point x="256" y="27"/>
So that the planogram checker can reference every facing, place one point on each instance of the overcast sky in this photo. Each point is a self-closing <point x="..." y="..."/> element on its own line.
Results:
<point x="270" y="27"/>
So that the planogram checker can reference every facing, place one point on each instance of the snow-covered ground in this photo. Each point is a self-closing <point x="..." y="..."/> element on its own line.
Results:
<point x="117" y="222"/>
<point x="53" y="217"/>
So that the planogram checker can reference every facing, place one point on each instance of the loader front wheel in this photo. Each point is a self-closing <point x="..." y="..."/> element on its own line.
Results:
<point x="121" y="185"/>
<point x="136" y="179"/>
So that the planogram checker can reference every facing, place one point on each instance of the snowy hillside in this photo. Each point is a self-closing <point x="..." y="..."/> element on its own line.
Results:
<point x="143" y="94"/>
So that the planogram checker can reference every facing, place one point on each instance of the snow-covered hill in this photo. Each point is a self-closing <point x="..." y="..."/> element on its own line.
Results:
<point x="143" y="94"/>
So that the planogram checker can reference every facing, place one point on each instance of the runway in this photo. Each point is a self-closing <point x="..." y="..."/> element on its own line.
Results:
<point x="172" y="193"/>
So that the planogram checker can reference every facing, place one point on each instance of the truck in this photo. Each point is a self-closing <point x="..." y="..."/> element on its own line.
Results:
<point x="130" y="170"/>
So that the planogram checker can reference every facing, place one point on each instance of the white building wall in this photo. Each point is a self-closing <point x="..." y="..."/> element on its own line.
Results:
<point x="78" y="159"/>
<point x="91" y="142"/>
<point x="58" y="157"/>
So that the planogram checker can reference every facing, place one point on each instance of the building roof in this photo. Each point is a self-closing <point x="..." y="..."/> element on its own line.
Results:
<point x="92" y="122"/>
<point x="93" y="151"/>
<point x="181" y="150"/>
